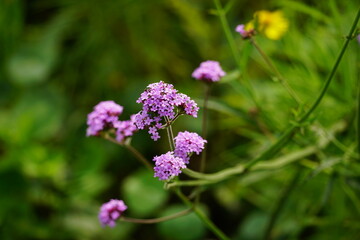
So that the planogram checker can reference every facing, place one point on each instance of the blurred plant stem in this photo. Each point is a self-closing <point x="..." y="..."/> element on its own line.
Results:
<point x="357" y="124"/>
<point x="268" y="165"/>
<point x="170" y="134"/>
<point x="156" y="220"/>
<point x="280" y="204"/>
<point x="210" y="225"/>
<point x="286" y="137"/>
<point x="221" y="12"/>
<point x="133" y="150"/>
<point x="279" y="76"/>
<point x="204" y="123"/>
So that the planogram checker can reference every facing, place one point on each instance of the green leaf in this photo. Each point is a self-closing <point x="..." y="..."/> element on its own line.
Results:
<point x="143" y="193"/>
<point x="188" y="227"/>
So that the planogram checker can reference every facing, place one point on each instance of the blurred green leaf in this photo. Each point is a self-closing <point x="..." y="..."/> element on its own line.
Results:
<point x="188" y="227"/>
<point x="143" y="193"/>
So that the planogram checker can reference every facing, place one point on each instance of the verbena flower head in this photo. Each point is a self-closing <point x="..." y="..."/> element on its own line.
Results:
<point x="245" y="32"/>
<point x="111" y="211"/>
<point x="272" y="24"/>
<point x="209" y="71"/>
<point x="187" y="143"/>
<point x="104" y="116"/>
<point x="167" y="166"/>
<point x="125" y="129"/>
<point x="161" y="102"/>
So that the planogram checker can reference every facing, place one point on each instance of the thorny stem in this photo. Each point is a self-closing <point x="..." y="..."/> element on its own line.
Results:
<point x="133" y="150"/>
<point x="277" y="73"/>
<point x="156" y="220"/>
<point x="210" y="225"/>
<point x="280" y="204"/>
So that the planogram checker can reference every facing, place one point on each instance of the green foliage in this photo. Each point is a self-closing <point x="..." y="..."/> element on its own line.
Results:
<point x="60" y="58"/>
<point x="143" y="193"/>
<point x="188" y="227"/>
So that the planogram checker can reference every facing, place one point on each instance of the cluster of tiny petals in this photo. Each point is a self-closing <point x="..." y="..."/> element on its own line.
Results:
<point x="167" y="166"/>
<point x="187" y="143"/>
<point x="125" y="129"/>
<point x="209" y="71"/>
<point x="160" y="101"/>
<point x="244" y="33"/>
<point x="105" y="115"/>
<point x="111" y="211"/>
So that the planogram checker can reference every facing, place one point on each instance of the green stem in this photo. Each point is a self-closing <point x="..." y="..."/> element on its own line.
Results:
<point x="133" y="150"/>
<point x="170" y="135"/>
<point x="139" y="156"/>
<point x="357" y="126"/>
<point x="276" y="72"/>
<point x="280" y="204"/>
<point x="231" y="41"/>
<point x="156" y="220"/>
<point x="210" y="225"/>
<point x="332" y="73"/>
<point x="268" y="165"/>
<point x="204" y="125"/>
<point x="227" y="31"/>
<point x="286" y="137"/>
<point x="351" y="195"/>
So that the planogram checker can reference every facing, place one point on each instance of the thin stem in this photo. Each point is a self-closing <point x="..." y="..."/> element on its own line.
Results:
<point x="332" y="73"/>
<point x="170" y="134"/>
<point x="133" y="150"/>
<point x="156" y="220"/>
<point x="280" y="204"/>
<point x="286" y="137"/>
<point x="204" y="124"/>
<point x="277" y="73"/>
<point x="139" y="156"/>
<point x="211" y="226"/>
<point x="231" y="41"/>
<point x="357" y="127"/>
<point x="227" y="31"/>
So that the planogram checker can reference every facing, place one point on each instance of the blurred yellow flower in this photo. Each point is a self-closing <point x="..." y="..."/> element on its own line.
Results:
<point x="272" y="24"/>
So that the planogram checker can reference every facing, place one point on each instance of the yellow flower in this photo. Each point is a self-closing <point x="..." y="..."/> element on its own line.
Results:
<point x="272" y="24"/>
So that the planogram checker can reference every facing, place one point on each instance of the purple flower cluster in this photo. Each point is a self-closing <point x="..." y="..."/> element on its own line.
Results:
<point x="125" y="129"/>
<point x="104" y="116"/>
<point x="209" y="71"/>
<point x="111" y="211"/>
<point x="170" y="164"/>
<point x="161" y="102"/>
<point x="187" y="143"/>
<point x="167" y="166"/>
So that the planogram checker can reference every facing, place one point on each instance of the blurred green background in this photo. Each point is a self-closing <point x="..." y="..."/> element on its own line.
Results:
<point x="59" y="58"/>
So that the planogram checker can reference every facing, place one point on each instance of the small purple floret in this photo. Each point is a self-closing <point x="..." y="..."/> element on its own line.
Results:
<point x="209" y="71"/>
<point x="187" y="143"/>
<point x="161" y="102"/>
<point x="245" y="34"/>
<point x="111" y="211"/>
<point x="104" y="116"/>
<point x="241" y="29"/>
<point x="168" y="166"/>
<point x="125" y="129"/>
